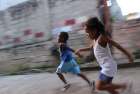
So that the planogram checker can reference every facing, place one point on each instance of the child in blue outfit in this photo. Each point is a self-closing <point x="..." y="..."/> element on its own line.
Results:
<point x="68" y="62"/>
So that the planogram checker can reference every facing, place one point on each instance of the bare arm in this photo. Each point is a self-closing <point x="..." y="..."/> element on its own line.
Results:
<point x="106" y="17"/>
<point x="85" y="49"/>
<point x="103" y="40"/>
<point x="115" y="44"/>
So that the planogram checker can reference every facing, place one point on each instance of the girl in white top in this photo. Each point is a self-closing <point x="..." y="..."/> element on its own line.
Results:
<point x="96" y="32"/>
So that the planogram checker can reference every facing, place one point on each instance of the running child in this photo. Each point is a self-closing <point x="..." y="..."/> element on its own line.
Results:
<point x="100" y="45"/>
<point x="68" y="62"/>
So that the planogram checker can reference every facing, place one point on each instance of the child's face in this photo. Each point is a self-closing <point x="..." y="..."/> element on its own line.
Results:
<point x="91" y="33"/>
<point x="60" y="39"/>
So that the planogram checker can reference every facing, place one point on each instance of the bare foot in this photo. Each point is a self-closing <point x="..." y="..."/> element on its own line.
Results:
<point x="127" y="88"/>
<point x="65" y="87"/>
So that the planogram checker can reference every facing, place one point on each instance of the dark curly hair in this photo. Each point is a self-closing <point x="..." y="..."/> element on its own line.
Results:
<point x="94" y="24"/>
<point x="63" y="37"/>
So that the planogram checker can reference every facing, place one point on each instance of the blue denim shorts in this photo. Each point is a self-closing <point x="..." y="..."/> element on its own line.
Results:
<point x="71" y="67"/>
<point x="105" y="78"/>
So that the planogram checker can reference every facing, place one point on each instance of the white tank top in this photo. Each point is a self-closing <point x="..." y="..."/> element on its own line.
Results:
<point x="105" y="59"/>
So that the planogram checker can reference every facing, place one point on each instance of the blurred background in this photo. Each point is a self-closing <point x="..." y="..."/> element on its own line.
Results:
<point x="29" y="29"/>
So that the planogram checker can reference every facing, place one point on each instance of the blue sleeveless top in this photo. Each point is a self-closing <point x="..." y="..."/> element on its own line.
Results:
<point x="65" y="53"/>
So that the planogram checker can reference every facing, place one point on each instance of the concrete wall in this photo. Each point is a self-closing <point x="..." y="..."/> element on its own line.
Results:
<point x="33" y="15"/>
<point x="71" y="9"/>
<point x="127" y="35"/>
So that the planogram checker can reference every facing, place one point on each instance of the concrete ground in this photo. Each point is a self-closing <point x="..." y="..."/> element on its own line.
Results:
<point x="46" y="83"/>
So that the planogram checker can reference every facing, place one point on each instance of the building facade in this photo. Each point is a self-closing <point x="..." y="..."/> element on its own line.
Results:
<point x="25" y="23"/>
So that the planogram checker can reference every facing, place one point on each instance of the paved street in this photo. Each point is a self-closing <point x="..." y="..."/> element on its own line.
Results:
<point x="47" y="83"/>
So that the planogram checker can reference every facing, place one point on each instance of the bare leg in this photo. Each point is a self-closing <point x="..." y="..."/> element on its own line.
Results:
<point x="111" y="88"/>
<point x="84" y="77"/>
<point x="113" y="92"/>
<point x="62" y="78"/>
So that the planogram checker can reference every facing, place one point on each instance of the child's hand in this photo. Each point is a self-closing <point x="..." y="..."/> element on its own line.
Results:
<point x="77" y="51"/>
<point x="131" y="59"/>
<point x="78" y="54"/>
